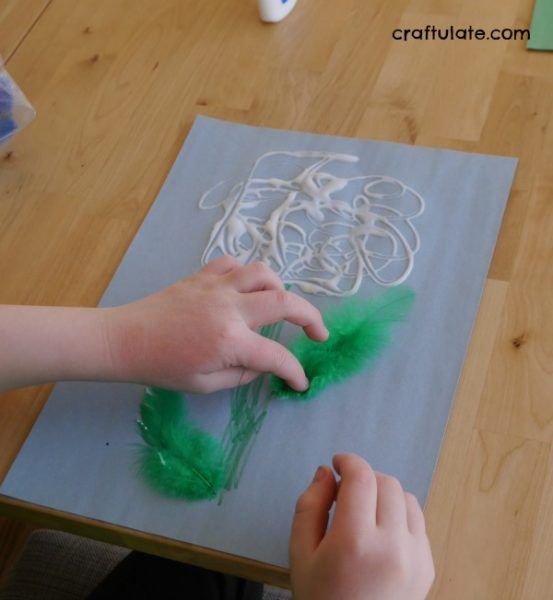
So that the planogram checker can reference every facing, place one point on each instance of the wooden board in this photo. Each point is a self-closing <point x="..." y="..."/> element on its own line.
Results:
<point x="117" y="85"/>
<point x="17" y="18"/>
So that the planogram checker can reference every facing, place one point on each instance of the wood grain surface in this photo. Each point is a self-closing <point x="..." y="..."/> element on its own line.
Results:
<point x="117" y="85"/>
<point x="17" y="18"/>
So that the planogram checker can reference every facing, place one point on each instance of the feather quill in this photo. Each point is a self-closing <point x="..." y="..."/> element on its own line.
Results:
<point x="178" y="458"/>
<point x="359" y="331"/>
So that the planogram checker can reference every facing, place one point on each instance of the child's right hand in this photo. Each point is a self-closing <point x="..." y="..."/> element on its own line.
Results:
<point x="376" y="547"/>
<point x="199" y="335"/>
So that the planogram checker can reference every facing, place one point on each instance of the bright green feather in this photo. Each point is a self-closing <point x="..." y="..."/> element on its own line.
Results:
<point x="179" y="459"/>
<point x="160" y="408"/>
<point x="359" y="331"/>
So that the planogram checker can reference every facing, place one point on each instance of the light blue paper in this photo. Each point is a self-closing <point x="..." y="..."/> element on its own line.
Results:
<point x="80" y="456"/>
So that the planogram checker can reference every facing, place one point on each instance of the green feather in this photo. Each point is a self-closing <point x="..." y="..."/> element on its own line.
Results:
<point x="359" y="331"/>
<point x="160" y="408"/>
<point x="179" y="459"/>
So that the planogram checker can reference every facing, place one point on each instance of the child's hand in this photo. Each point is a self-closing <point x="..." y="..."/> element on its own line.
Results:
<point x="376" y="547"/>
<point x="199" y="334"/>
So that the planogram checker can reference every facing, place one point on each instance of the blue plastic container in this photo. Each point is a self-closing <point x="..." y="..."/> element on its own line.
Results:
<point x="15" y="110"/>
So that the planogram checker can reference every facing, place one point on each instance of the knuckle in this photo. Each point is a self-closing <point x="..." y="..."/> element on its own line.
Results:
<point x="391" y="483"/>
<point x="312" y="314"/>
<point x="354" y="462"/>
<point x="227" y="331"/>
<point x="305" y="503"/>
<point x="395" y="560"/>
<point x="226" y="336"/>
<point x="353" y="547"/>
<point x="260" y="268"/>
<point x="281" y="358"/>
<point x="363" y="474"/>
<point x="222" y="261"/>
<point x="282" y="298"/>
<point x="413" y="500"/>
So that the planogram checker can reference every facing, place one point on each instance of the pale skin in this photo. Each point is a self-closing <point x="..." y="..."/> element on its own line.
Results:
<point x="376" y="547"/>
<point x="199" y="335"/>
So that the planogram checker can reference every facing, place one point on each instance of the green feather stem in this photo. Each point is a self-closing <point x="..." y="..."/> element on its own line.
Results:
<point x="178" y="458"/>
<point x="359" y="331"/>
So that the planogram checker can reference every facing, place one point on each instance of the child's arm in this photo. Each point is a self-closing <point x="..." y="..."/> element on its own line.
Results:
<point x="197" y="335"/>
<point x="41" y="344"/>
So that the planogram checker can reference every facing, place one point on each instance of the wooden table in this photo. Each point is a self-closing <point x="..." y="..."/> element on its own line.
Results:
<point x="117" y="85"/>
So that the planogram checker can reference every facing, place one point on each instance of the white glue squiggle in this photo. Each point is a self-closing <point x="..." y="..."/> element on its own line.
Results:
<point x="311" y="232"/>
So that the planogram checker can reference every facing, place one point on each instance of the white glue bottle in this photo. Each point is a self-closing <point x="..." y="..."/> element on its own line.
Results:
<point x="275" y="10"/>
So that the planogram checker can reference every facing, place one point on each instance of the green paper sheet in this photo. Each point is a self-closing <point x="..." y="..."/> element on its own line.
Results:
<point x="541" y="30"/>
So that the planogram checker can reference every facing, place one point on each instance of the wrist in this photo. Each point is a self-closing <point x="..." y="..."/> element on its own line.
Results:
<point x="80" y="344"/>
<point x="41" y="344"/>
<point x="124" y="343"/>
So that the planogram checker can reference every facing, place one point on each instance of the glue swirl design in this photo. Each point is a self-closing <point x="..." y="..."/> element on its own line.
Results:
<point x="319" y="229"/>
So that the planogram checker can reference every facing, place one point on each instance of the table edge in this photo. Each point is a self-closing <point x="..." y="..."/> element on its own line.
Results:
<point x="135" y="539"/>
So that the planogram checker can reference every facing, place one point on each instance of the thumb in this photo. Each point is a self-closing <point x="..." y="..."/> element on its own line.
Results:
<point x="311" y="516"/>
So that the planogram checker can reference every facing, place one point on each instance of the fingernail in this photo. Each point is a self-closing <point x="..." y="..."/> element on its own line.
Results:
<point x="327" y="333"/>
<point x="319" y="473"/>
<point x="305" y="385"/>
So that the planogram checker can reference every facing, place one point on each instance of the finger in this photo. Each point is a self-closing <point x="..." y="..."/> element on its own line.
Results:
<point x="255" y="277"/>
<point x="221" y="265"/>
<point x="415" y="516"/>
<point x="267" y="356"/>
<point x="356" y="499"/>
<point x="262" y="308"/>
<point x="391" y="512"/>
<point x="226" y="378"/>
<point x="311" y="516"/>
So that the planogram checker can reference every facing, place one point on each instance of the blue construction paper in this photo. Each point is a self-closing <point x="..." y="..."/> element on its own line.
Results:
<point x="80" y="455"/>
